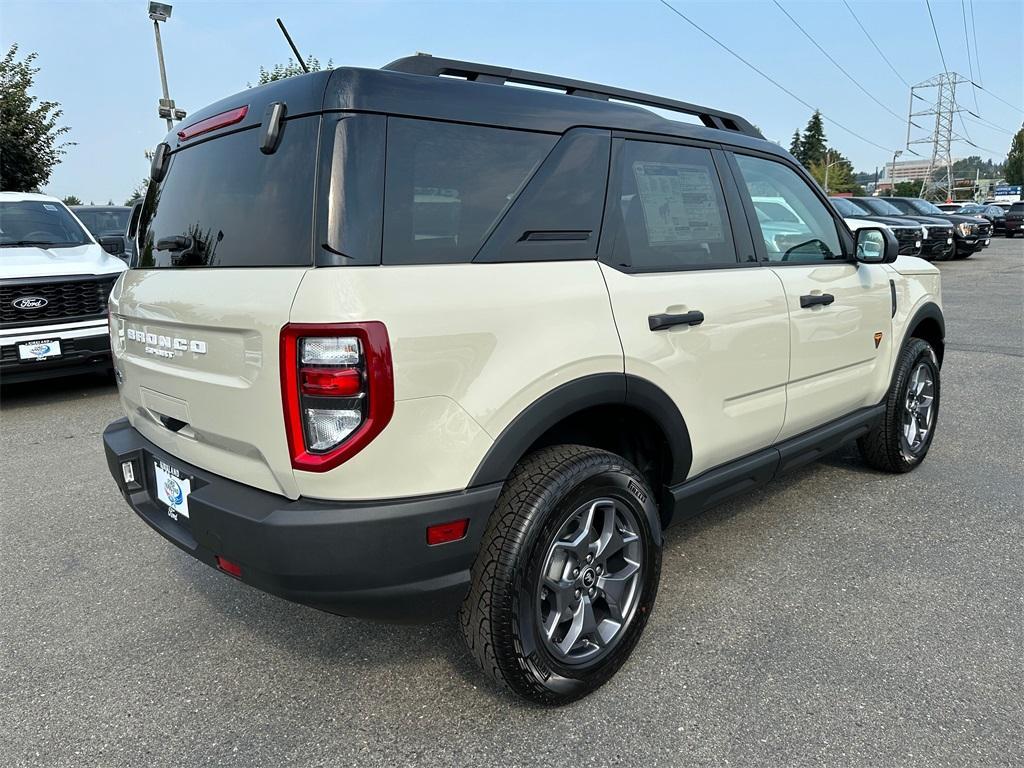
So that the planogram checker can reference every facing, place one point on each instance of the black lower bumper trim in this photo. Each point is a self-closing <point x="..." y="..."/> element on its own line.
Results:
<point x="367" y="559"/>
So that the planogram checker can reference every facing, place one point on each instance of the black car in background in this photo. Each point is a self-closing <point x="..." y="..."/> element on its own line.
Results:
<point x="995" y="214"/>
<point x="106" y="221"/>
<point x="909" y="235"/>
<point x="1015" y="219"/>
<point x="970" y="233"/>
<point x="937" y="233"/>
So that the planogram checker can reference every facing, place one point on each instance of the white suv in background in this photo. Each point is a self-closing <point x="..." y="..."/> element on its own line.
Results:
<point x="54" y="283"/>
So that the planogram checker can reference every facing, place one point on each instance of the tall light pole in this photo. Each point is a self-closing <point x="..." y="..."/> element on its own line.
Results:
<point x="892" y="174"/>
<point x="162" y="12"/>
<point x="829" y="165"/>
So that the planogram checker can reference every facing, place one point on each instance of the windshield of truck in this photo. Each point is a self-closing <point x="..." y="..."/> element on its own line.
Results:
<point x="39" y="223"/>
<point x="104" y="221"/>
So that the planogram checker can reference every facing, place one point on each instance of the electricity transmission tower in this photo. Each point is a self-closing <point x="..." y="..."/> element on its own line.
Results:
<point x="941" y="108"/>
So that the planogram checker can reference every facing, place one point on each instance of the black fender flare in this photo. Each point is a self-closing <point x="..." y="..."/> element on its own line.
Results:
<point x="927" y="311"/>
<point x="578" y="395"/>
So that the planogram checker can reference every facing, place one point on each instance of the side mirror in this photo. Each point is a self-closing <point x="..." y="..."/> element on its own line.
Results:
<point x="113" y="244"/>
<point x="876" y="245"/>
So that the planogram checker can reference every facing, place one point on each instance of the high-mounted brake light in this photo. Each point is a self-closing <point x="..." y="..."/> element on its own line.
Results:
<point x="338" y="390"/>
<point x="230" y="117"/>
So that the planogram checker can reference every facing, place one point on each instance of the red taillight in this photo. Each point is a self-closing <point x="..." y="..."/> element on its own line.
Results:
<point x="442" y="533"/>
<point x="331" y="382"/>
<point x="230" y="567"/>
<point x="230" y="117"/>
<point x="338" y="390"/>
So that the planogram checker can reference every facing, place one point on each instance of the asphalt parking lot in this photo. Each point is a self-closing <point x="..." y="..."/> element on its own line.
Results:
<point x="837" y="617"/>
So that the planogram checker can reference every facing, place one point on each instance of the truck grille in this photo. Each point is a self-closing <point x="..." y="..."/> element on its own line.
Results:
<point x="907" y="238"/>
<point x="76" y="298"/>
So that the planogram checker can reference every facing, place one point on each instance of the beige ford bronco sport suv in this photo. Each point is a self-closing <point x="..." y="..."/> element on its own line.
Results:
<point x="410" y="341"/>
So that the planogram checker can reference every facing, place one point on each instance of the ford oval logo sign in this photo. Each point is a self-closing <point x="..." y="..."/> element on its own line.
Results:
<point x="30" y="302"/>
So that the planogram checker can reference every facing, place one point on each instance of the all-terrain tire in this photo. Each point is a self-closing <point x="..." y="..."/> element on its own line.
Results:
<point x="885" y="447"/>
<point x="500" y="615"/>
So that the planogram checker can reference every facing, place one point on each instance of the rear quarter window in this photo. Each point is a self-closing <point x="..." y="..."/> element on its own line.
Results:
<point x="447" y="185"/>
<point x="224" y="203"/>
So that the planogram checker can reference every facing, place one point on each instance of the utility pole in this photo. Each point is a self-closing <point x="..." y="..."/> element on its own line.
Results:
<point x="892" y="173"/>
<point x="941" y="137"/>
<point x="162" y="12"/>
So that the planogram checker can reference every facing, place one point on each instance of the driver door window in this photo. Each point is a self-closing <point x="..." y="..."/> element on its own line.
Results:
<point x="795" y="224"/>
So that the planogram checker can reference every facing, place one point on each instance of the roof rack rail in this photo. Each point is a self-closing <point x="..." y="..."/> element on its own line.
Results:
<point x="425" y="64"/>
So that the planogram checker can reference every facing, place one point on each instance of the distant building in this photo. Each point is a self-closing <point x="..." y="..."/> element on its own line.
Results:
<point x="907" y="170"/>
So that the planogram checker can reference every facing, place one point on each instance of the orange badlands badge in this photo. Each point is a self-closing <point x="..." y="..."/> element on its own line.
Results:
<point x="878" y="339"/>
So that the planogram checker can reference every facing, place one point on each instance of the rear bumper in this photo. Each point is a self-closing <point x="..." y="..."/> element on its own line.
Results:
<point x="367" y="559"/>
<point x="85" y="347"/>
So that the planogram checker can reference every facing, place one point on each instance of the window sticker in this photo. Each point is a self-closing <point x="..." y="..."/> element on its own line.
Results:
<point x="679" y="203"/>
<point x="49" y="207"/>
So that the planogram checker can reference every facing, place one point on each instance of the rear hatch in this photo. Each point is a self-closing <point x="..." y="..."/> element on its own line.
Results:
<point x="223" y="242"/>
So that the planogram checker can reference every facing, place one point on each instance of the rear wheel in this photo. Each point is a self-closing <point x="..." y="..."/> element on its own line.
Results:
<point x="566" y="576"/>
<point x="902" y="437"/>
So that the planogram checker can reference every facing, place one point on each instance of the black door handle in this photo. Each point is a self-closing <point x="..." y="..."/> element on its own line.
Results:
<point x="814" y="300"/>
<point x="660" y="322"/>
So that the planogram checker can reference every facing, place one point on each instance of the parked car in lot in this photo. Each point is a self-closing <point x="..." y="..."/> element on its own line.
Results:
<point x="993" y="214"/>
<point x="404" y="342"/>
<point x="910" y="236"/>
<point x="1014" y="219"/>
<point x="937" y="233"/>
<point x="54" y="283"/>
<point x="970" y="233"/>
<point x="108" y="224"/>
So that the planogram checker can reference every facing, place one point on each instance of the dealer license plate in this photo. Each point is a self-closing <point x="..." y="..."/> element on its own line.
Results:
<point x="172" y="489"/>
<point x="39" y="350"/>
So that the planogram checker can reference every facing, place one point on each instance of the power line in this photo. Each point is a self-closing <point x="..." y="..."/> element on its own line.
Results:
<point x="771" y="80"/>
<point x="987" y="123"/>
<point x="1012" y="106"/>
<point x="836" y="63"/>
<point x="871" y="40"/>
<point x="974" y="32"/>
<point x="967" y="44"/>
<point x="936" y="31"/>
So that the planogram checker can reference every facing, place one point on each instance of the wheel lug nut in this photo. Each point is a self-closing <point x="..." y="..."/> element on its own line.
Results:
<point x="599" y="569"/>
<point x="578" y="593"/>
<point x="575" y="572"/>
<point x="590" y="558"/>
<point x="592" y="592"/>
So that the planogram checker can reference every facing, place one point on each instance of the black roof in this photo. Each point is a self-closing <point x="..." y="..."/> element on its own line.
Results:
<point x="459" y="91"/>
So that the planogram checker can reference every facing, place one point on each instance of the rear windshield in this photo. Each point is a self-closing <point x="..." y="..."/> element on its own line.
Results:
<point x="847" y="207"/>
<point x="224" y="203"/>
<point x="1017" y="207"/>
<point x="104" y="221"/>
<point x="39" y="223"/>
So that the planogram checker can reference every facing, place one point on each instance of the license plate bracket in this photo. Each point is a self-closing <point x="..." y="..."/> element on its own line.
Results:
<point x="172" y="488"/>
<point x="40" y="349"/>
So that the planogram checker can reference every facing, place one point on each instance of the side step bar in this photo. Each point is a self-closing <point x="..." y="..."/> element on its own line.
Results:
<point x="715" y="486"/>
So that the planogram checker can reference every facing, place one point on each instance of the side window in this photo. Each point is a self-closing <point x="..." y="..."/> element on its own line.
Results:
<point x="796" y="226"/>
<point x="447" y="184"/>
<point x="670" y="209"/>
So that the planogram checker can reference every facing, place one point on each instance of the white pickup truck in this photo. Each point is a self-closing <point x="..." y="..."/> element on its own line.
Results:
<point x="54" y="283"/>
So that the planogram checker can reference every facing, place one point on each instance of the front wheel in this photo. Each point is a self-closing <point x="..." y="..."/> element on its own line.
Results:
<point x="566" y="576"/>
<point x="902" y="437"/>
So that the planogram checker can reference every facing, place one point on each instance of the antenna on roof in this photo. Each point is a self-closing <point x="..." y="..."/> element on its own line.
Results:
<point x="292" y="44"/>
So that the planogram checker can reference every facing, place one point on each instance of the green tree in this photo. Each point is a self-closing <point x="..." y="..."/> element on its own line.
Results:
<point x="794" y="146"/>
<point x="812" y="143"/>
<point x="907" y="189"/>
<point x="138" y="193"/>
<point x="292" y="68"/>
<point x="72" y="200"/>
<point x="840" y="173"/>
<point x="1014" y="167"/>
<point x="29" y="135"/>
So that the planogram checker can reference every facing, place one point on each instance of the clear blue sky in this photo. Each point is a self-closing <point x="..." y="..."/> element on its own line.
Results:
<point x="98" y="61"/>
